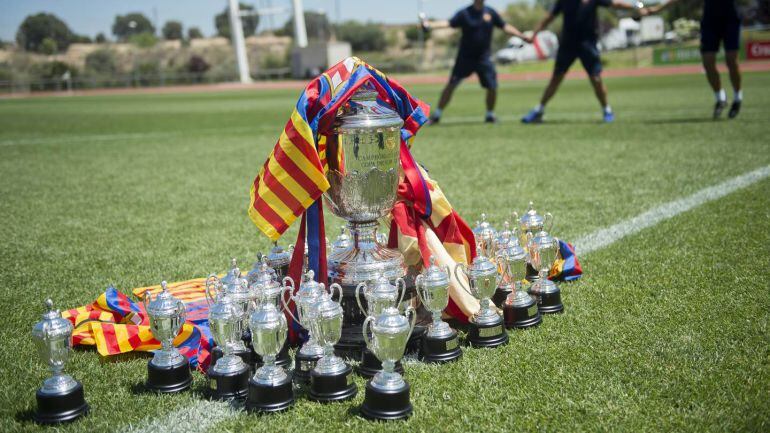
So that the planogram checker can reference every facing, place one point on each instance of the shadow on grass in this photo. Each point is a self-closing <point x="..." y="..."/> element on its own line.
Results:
<point x="25" y="416"/>
<point x="704" y="119"/>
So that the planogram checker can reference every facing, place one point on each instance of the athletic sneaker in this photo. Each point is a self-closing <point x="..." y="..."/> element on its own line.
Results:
<point x="608" y="116"/>
<point x="434" y="120"/>
<point x="718" y="107"/>
<point x="734" y="109"/>
<point x="490" y="118"/>
<point x="534" y="116"/>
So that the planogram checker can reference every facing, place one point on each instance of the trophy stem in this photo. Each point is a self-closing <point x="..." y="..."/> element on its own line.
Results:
<point x="166" y="345"/>
<point x="363" y="233"/>
<point x="388" y="366"/>
<point x="436" y="315"/>
<point x="484" y="304"/>
<point x="269" y="360"/>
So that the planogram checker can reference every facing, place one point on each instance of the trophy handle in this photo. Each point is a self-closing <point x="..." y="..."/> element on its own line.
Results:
<point x="410" y="311"/>
<point x="286" y="306"/>
<point x="458" y="268"/>
<point x="361" y="286"/>
<point x="365" y="328"/>
<point x="548" y="217"/>
<point x="334" y="287"/>
<point x="211" y="284"/>
<point x="417" y="284"/>
<point x="401" y="283"/>
<point x="146" y="299"/>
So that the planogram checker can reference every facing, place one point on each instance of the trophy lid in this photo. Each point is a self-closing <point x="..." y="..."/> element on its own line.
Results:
<point x="364" y="112"/>
<point x="225" y="309"/>
<point x="327" y="308"/>
<point x="531" y="220"/>
<point x="233" y="277"/>
<point x="513" y="251"/>
<point x="543" y="240"/>
<point x="164" y="304"/>
<point x="506" y="236"/>
<point x="435" y="276"/>
<point x="484" y="229"/>
<point x="278" y="257"/>
<point x="266" y="316"/>
<point x="52" y="326"/>
<point x="382" y="288"/>
<point x="263" y="275"/>
<point x="482" y="266"/>
<point x="309" y="288"/>
<point x="390" y="321"/>
<point x="343" y="241"/>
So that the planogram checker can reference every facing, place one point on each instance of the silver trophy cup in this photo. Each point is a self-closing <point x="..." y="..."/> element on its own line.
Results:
<point x="168" y="371"/>
<point x="270" y="390"/>
<point x="440" y="343"/>
<point x="486" y="325"/>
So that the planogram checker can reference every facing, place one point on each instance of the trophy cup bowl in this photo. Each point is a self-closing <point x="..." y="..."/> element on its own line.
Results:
<point x="485" y="326"/>
<point x="270" y="389"/>
<point x="168" y="371"/>
<point x="519" y="308"/>
<point x="440" y="344"/>
<point x="309" y="294"/>
<point x="332" y="378"/>
<point x="61" y="398"/>
<point x="387" y="393"/>
<point x="363" y="177"/>
<point x="544" y="250"/>
<point x="378" y="295"/>
<point x="229" y="376"/>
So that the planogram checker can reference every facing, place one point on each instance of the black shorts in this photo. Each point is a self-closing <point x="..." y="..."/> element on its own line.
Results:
<point x="714" y="30"/>
<point x="586" y="51"/>
<point x="483" y="67"/>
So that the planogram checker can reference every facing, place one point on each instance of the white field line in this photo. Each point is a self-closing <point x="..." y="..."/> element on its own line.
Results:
<point x="204" y="414"/>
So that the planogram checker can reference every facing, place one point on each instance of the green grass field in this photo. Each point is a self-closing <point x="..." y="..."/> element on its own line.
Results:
<point x="667" y="331"/>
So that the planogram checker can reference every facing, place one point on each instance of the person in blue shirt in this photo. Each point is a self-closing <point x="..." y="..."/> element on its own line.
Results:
<point x="721" y="23"/>
<point x="578" y="40"/>
<point x="477" y="22"/>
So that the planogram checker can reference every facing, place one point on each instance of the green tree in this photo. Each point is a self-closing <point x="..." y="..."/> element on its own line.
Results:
<point x="317" y="25"/>
<point x="36" y="28"/>
<point x="525" y="16"/>
<point x="101" y="62"/>
<point x="100" y="38"/>
<point x="413" y="34"/>
<point x="249" y="22"/>
<point x="48" y="46"/>
<point x="194" y="33"/>
<point x="131" y="24"/>
<point x="143" y="40"/>
<point x="362" y="36"/>
<point x="172" y="30"/>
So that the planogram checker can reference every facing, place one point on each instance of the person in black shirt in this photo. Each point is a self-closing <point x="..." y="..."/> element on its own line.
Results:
<point x="578" y="40"/>
<point x="477" y="22"/>
<point x="721" y="22"/>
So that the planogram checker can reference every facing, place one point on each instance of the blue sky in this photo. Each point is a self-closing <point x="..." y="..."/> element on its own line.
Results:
<point x="90" y="17"/>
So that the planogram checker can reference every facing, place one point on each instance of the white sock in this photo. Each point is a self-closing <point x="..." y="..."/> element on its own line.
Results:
<point x="436" y="112"/>
<point x="738" y="96"/>
<point x="720" y="95"/>
<point x="490" y="113"/>
<point x="539" y="108"/>
<point x="607" y="109"/>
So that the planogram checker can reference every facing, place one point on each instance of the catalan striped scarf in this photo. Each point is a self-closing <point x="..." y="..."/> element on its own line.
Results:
<point x="115" y="324"/>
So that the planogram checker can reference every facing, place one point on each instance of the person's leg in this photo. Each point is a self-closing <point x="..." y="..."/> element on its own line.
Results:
<point x="552" y="87"/>
<point x="446" y="94"/>
<point x="732" y="44"/>
<point x="488" y="80"/>
<point x="459" y="72"/>
<point x="592" y="63"/>
<point x="712" y="74"/>
<point x="710" y="38"/>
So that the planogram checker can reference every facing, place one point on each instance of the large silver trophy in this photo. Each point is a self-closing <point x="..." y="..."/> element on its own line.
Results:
<point x="543" y="251"/>
<point x="387" y="393"/>
<point x="270" y="390"/>
<point x="229" y="375"/>
<point x="331" y="379"/>
<point x="169" y="370"/>
<point x="363" y="176"/>
<point x="486" y="325"/>
<point x="378" y="294"/>
<point x="61" y="398"/>
<point x="440" y="344"/>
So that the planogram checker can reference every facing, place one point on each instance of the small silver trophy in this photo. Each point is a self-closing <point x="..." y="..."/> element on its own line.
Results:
<point x="486" y="236"/>
<point x="378" y="294"/>
<point x="486" y="326"/>
<point x="331" y="379"/>
<point x="168" y="371"/>
<point x="519" y="309"/>
<point x="270" y="390"/>
<point x="440" y="344"/>
<point x="543" y="251"/>
<point x="229" y="376"/>
<point x="61" y="397"/>
<point x="532" y="222"/>
<point x="387" y="393"/>
<point x="309" y="294"/>
<point x="237" y="289"/>
<point x="264" y="287"/>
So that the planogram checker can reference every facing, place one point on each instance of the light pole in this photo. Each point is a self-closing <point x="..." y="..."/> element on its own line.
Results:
<point x="236" y="32"/>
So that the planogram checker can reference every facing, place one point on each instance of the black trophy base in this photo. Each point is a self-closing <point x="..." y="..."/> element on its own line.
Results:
<point x="549" y="303"/>
<point x="303" y="365"/>
<point x="521" y="317"/>
<point x="327" y="388"/>
<point x="386" y="405"/>
<point x="245" y="355"/>
<point x="171" y="379"/>
<point x="60" y="408"/>
<point x="370" y="365"/>
<point x="487" y="335"/>
<point x="501" y="294"/>
<point x="441" y="349"/>
<point x="270" y="398"/>
<point x="226" y="386"/>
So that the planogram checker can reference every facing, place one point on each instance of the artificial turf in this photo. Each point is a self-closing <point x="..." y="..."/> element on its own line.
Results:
<point x="668" y="330"/>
